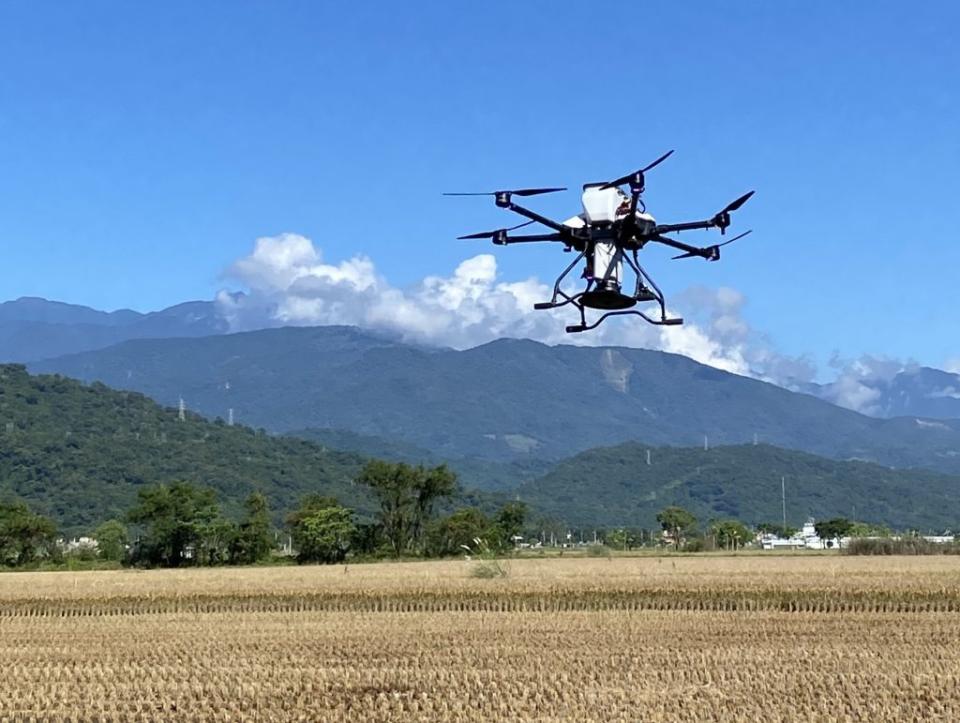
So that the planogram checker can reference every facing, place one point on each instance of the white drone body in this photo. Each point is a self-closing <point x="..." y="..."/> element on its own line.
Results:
<point x="602" y="207"/>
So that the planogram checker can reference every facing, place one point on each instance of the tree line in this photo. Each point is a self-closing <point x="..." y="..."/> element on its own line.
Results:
<point x="182" y="524"/>
<point x="680" y="528"/>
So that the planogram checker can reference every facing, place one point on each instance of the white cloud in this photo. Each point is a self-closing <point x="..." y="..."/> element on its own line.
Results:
<point x="952" y="365"/>
<point x="861" y="382"/>
<point x="288" y="283"/>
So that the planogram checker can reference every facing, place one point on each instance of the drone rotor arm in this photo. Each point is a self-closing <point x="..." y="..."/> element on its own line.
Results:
<point x="688" y="250"/>
<point x="535" y="237"/>
<point x="534" y="216"/>
<point x="688" y="226"/>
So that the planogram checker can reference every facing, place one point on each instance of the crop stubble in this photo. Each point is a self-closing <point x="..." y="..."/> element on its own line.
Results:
<point x="633" y="639"/>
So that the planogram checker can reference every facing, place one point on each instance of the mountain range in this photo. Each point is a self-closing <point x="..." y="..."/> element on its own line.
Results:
<point x="506" y="401"/>
<point x="79" y="453"/>
<point x="33" y="329"/>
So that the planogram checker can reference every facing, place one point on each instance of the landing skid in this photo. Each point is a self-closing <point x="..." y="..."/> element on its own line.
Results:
<point x="619" y="304"/>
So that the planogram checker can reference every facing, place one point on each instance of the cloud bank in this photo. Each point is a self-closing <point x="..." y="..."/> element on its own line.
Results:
<point x="288" y="282"/>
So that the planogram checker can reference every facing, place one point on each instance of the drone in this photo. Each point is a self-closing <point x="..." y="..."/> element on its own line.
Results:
<point x="613" y="228"/>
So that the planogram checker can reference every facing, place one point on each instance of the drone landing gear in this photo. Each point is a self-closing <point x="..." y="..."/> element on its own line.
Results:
<point x="613" y="301"/>
<point x="663" y="321"/>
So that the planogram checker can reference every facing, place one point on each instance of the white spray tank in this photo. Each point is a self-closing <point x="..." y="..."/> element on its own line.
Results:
<point x="600" y="208"/>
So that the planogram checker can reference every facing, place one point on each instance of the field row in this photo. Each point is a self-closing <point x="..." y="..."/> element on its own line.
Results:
<point x="477" y="666"/>
<point x="501" y="601"/>
<point x="747" y="574"/>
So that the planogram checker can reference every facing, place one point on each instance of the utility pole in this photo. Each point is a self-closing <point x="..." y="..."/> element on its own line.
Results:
<point x="706" y="444"/>
<point x="182" y="410"/>
<point x="648" y="458"/>
<point x="783" y="501"/>
<point x="230" y="417"/>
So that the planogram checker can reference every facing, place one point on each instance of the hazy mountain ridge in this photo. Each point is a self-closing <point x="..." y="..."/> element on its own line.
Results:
<point x="507" y="400"/>
<point x="32" y="328"/>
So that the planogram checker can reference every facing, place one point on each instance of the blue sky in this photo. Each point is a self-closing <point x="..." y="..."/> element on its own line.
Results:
<point x="143" y="148"/>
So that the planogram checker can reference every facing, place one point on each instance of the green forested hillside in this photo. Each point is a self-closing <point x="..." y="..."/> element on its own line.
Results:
<point x="79" y="453"/>
<point x="503" y="401"/>
<point x="616" y="486"/>
<point x="476" y="472"/>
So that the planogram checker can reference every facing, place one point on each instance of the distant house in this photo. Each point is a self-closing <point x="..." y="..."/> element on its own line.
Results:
<point x="805" y="539"/>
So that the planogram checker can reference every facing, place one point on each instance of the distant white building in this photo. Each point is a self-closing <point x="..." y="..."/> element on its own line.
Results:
<point x="805" y="539"/>
<point x="79" y="543"/>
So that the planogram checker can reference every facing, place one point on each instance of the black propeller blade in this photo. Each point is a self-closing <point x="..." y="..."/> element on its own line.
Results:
<point x="494" y="234"/>
<point x="722" y="219"/>
<point x="714" y="250"/>
<point x="745" y="233"/>
<point x="517" y="192"/>
<point x="631" y="176"/>
<point x="738" y="203"/>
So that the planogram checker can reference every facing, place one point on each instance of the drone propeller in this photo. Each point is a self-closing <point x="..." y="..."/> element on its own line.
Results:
<point x="634" y="176"/>
<point x="494" y="234"/>
<point x="517" y="192"/>
<point x="722" y="219"/>
<point x="715" y="249"/>
<point x="738" y="203"/>
<point x="735" y="238"/>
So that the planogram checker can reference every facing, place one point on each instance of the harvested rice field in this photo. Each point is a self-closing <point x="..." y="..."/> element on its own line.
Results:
<point x="670" y="638"/>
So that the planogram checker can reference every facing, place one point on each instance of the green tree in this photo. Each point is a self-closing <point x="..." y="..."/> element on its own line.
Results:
<point x="617" y="539"/>
<point x="730" y="534"/>
<point x="676" y="522"/>
<point x="624" y="538"/>
<point x="253" y="541"/>
<point x="177" y="519"/>
<point x="866" y="529"/>
<point x="324" y="535"/>
<point x="448" y="535"/>
<point x="407" y="495"/>
<point x="774" y="528"/>
<point x="112" y="539"/>
<point x="835" y="528"/>
<point x="367" y="539"/>
<point x="25" y="536"/>
<point x="510" y="521"/>
<point x="216" y="538"/>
